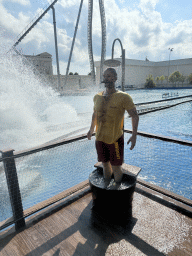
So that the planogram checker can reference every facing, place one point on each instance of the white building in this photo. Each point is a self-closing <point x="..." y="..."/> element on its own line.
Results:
<point x="136" y="71"/>
<point x="73" y="82"/>
<point x="42" y="63"/>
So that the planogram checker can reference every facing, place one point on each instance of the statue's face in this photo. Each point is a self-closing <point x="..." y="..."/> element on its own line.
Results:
<point x="109" y="79"/>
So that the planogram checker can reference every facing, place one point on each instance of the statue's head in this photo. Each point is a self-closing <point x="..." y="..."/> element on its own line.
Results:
<point x="110" y="77"/>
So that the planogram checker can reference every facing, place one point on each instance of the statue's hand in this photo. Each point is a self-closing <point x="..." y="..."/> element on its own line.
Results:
<point x="132" y="139"/>
<point x="89" y="135"/>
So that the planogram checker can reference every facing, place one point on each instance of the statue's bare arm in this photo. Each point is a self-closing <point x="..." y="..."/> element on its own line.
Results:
<point x="92" y="127"/>
<point x="135" y="121"/>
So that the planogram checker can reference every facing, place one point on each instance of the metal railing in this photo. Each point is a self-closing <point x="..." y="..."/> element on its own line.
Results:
<point x="71" y="161"/>
<point x="157" y="101"/>
<point x="144" y="108"/>
<point x="10" y="161"/>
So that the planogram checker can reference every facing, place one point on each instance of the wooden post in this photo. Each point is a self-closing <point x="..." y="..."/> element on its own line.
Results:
<point x="13" y="188"/>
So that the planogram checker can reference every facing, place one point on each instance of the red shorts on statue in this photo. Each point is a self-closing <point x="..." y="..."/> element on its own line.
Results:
<point x="112" y="153"/>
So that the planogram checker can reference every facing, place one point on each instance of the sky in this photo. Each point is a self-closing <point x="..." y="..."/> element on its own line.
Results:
<point x="146" y="28"/>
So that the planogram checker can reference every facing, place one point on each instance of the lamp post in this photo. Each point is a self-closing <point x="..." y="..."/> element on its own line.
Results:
<point x="123" y="62"/>
<point x="115" y="63"/>
<point x="170" y="50"/>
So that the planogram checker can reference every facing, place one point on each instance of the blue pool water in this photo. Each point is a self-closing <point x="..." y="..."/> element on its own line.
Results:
<point x="173" y="122"/>
<point x="147" y="95"/>
<point x="168" y="165"/>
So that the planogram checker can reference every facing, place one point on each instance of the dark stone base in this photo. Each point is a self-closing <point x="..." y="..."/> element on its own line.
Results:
<point x="112" y="201"/>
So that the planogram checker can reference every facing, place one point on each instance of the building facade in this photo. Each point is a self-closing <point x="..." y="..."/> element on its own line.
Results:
<point x="42" y="63"/>
<point x="136" y="71"/>
<point x="72" y="82"/>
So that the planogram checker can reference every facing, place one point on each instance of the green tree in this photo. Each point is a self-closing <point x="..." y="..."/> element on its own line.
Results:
<point x="162" y="78"/>
<point x="174" y="77"/>
<point x="150" y="82"/>
<point x="76" y="73"/>
<point x="166" y="78"/>
<point x="189" y="78"/>
<point x="182" y="79"/>
<point x="70" y="73"/>
<point x="157" y="79"/>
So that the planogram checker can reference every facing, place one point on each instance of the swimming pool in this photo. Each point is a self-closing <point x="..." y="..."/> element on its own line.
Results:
<point x="45" y="174"/>
<point x="174" y="122"/>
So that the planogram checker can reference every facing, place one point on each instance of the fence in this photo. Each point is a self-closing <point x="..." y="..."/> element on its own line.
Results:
<point x="152" y="106"/>
<point x="32" y="177"/>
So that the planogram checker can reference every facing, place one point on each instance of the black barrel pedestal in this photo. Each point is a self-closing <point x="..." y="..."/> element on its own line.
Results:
<point x="111" y="200"/>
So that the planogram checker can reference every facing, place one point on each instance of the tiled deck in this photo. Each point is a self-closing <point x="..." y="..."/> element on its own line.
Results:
<point x="74" y="230"/>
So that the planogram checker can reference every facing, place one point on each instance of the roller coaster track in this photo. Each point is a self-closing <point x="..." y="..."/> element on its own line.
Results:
<point x="89" y="34"/>
<point x="89" y="38"/>
<point x="73" y="42"/>
<point x="32" y="24"/>
<point x="103" y="29"/>
<point x="36" y="19"/>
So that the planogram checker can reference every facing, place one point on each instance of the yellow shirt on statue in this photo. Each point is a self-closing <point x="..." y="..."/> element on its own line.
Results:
<point x="110" y="115"/>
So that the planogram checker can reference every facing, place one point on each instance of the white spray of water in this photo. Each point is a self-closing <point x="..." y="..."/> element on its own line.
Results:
<point x="29" y="108"/>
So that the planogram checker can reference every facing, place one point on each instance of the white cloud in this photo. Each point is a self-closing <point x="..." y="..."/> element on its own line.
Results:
<point x="22" y="2"/>
<point x="39" y="34"/>
<point x="141" y="30"/>
<point x="69" y="3"/>
<point x="148" y="5"/>
<point x="9" y="22"/>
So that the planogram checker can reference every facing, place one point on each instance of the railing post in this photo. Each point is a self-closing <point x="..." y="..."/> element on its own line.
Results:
<point x="13" y="188"/>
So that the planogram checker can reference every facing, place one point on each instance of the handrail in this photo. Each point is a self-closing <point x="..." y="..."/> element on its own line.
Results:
<point x="84" y="136"/>
<point x="9" y="163"/>
<point x="42" y="148"/>
<point x="153" y="109"/>
<point x="12" y="180"/>
<point x="156" y="101"/>
<point x="163" y="138"/>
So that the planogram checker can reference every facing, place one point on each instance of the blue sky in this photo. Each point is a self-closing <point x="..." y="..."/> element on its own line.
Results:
<point x="145" y="27"/>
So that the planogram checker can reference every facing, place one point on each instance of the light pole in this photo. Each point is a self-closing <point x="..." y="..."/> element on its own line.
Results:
<point x="116" y="63"/>
<point x="170" y="50"/>
<point x="123" y="61"/>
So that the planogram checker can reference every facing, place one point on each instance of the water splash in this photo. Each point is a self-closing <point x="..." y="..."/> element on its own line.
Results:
<point x="29" y="108"/>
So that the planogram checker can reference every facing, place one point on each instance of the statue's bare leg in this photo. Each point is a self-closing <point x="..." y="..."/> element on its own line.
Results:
<point x="118" y="174"/>
<point x="107" y="170"/>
